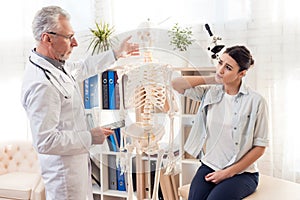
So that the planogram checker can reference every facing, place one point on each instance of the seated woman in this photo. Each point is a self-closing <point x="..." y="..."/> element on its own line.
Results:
<point x="232" y="125"/>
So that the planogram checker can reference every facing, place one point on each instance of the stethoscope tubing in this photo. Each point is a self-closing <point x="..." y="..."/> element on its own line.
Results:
<point x="47" y="73"/>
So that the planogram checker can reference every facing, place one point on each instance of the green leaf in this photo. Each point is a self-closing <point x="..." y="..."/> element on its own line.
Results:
<point x="180" y="37"/>
<point x="101" y="37"/>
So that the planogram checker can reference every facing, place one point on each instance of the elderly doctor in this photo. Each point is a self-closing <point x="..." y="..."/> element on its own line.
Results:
<point x="53" y="102"/>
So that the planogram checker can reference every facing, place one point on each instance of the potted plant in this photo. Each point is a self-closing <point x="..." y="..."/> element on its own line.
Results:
<point x="102" y="37"/>
<point x="181" y="38"/>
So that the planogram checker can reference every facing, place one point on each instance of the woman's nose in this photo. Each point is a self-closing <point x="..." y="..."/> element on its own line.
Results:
<point x="220" y="69"/>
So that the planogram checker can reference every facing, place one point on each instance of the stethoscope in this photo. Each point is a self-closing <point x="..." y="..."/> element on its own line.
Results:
<point x="53" y="80"/>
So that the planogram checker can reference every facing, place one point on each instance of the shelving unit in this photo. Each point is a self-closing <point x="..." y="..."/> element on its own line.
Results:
<point x="187" y="166"/>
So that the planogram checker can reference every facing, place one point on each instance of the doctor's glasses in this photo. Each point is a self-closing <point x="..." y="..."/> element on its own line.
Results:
<point x="69" y="37"/>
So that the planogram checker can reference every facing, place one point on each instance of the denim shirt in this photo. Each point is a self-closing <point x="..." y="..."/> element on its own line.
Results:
<point x="249" y="123"/>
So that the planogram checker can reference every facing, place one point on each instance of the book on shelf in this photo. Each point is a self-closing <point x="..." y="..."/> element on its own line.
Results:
<point x="190" y="106"/>
<point x="169" y="185"/>
<point x="175" y="184"/>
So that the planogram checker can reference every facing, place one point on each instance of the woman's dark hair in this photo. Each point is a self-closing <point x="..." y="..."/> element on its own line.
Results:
<point x="241" y="55"/>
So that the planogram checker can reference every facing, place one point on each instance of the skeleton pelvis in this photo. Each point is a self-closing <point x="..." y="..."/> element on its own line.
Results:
<point x="146" y="134"/>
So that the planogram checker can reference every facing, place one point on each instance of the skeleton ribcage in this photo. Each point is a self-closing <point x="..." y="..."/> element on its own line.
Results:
<point x="146" y="91"/>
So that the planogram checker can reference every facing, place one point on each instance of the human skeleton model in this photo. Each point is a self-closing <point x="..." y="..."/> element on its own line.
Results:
<point x="146" y="89"/>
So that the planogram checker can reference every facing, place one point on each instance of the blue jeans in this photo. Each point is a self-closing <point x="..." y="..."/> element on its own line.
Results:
<point x="236" y="187"/>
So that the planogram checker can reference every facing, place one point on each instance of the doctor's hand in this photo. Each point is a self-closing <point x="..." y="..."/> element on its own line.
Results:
<point x="99" y="134"/>
<point x="126" y="48"/>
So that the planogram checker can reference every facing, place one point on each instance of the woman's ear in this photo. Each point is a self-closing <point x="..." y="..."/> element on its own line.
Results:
<point x="243" y="73"/>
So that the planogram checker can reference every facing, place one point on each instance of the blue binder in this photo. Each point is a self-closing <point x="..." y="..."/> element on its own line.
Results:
<point x="118" y="136"/>
<point x="91" y="93"/>
<point x="86" y="94"/>
<point x="94" y="92"/>
<point x="105" y="104"/>
<point x="111" y="90"/>
<point x="121" y="180"/>
<point x="113" y="143"/>
<point x="121" y="177"/>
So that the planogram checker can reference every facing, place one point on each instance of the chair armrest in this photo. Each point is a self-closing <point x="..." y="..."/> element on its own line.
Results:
<point x="38" y="193"/>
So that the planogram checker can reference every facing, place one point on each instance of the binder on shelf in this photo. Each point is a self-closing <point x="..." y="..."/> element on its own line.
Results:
<point x="111" y="100"/>
<point x="145" y="177"/>
<point x="121" y="180"/>
<point x="112" y="175"/>
<point x="111" y="90"/>
<point x="94" y="91"/>
<point x="86" y="94"/>
<point x="117" y="180"/>
<point x="105" y="99"/>
<point x="117" y="93"/>
<point x="121" y="177"/>
<point x="91" y="94"/>
<point x="95" y="172"/>
<point x="95" y="164"/>
<point x="113" y="142"/>
<point x="118" y="136"/>
<point x="150" y="169"/>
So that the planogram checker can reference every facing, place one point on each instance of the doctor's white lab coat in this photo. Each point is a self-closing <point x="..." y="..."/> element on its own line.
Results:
<point x="59" y="130"/>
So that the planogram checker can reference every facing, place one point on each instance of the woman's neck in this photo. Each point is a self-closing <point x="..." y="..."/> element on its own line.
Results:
<point x="232" y="89"/>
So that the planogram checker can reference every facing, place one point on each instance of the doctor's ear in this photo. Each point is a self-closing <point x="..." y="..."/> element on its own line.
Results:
<point x="46" y="38"/>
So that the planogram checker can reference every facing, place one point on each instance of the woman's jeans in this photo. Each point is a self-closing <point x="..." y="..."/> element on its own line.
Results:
<point x="236" y="187"/>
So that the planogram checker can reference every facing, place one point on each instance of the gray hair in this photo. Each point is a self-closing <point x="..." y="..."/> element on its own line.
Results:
<point x="46" y="20"/>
